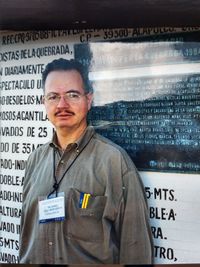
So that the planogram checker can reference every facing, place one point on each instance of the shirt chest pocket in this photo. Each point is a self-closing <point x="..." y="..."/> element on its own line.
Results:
<point x="85" y="222"/>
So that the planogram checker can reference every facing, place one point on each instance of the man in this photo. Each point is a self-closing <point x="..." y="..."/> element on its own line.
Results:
<point x="83" y="201"/>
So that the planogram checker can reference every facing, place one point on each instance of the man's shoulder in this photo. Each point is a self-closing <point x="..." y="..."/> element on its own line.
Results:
<point x="40" y="151"/>
<point x="109" y="144"/>
<point x="112" y="151"/>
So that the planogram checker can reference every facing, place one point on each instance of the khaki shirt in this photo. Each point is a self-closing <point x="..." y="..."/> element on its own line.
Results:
<point x="114" y="226"/>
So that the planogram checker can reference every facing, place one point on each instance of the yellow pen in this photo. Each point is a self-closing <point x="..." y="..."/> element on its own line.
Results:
<point x="85" y="201"/>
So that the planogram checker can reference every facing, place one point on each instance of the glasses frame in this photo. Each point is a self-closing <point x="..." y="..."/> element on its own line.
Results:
<point x="71" y="96"/>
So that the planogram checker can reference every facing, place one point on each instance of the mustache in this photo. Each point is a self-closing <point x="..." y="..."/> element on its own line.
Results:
<point x="63" y="112"/>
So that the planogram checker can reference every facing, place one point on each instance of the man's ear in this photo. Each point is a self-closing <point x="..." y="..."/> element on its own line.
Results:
<point x="89" y="100"/>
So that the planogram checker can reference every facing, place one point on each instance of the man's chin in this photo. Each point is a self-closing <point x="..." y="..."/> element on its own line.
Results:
<point x="64" y="125"/>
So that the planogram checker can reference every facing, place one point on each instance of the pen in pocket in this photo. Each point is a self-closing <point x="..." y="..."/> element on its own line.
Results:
<point x="83" y="202"/>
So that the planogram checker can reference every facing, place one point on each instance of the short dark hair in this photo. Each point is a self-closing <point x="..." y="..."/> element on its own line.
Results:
<point x="62" y="64"/>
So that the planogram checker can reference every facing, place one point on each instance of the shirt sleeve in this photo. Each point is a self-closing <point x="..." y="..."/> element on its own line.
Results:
<point x="24" y="230"/>
<point x="134" y="233"/>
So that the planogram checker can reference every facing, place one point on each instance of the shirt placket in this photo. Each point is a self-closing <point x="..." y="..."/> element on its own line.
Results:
<point x="63" y="160"/>
<point x="51" y="245"/>
<point x="60" y="168"/>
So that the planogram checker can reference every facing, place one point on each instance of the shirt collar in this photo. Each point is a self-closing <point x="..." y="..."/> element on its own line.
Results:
<point x="80" y="143"/>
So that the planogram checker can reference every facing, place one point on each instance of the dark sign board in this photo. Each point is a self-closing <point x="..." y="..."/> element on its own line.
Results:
<point x="153" y="111"/>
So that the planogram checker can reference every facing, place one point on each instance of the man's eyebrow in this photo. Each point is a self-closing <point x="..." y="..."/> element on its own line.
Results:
<point x="69" y="91"/>
<point x="52" y="93"/>
<point x="72" y="91"/>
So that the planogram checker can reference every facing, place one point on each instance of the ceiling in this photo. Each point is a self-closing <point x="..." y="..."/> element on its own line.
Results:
<point x="82" y="14"/>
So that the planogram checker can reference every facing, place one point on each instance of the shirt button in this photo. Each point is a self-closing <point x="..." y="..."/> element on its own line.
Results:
<point x="62" y="162"/>
<point x="50" y="243"/>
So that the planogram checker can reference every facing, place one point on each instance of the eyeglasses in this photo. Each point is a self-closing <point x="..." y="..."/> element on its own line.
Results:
<point x="72" y="97"/>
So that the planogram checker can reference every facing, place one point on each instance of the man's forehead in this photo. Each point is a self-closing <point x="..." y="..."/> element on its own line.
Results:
<point x="66" y="77"/>
<point x="63" y="73"/>
<point x="64" y="81"/>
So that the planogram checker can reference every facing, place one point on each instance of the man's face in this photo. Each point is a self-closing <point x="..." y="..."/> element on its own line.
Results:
<point x="66" y="112"/>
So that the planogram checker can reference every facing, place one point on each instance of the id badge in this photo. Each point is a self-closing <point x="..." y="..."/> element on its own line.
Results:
<point x="52" y="209"/>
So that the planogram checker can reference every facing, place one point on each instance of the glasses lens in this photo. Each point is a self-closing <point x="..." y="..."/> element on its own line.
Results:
<point x="72" y="96"/>
<point x="52" y="97"/>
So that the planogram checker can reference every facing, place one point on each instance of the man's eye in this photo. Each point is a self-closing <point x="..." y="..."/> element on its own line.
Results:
<point x="73" y="95"/>
<point x="52" y="97"/>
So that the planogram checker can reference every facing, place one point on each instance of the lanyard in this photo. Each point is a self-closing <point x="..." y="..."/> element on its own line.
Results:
<point x="56" y="183"/>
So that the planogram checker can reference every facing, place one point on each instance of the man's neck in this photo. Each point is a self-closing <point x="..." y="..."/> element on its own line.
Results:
<point x="68" y="136"/>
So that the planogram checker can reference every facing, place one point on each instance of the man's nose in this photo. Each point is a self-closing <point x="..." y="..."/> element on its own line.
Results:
<point x="63" y="102"/>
